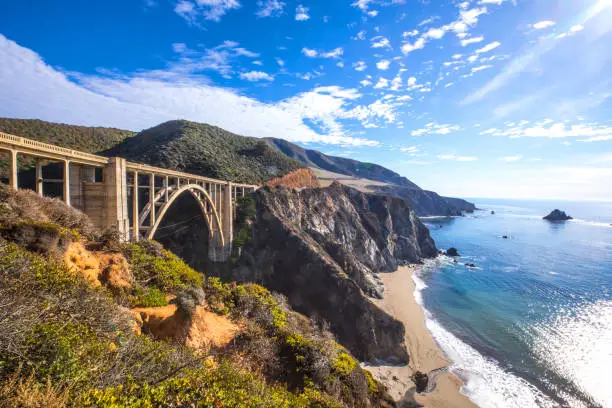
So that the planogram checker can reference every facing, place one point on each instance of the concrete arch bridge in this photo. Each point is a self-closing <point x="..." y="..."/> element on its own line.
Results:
<point x="132" y="198"/>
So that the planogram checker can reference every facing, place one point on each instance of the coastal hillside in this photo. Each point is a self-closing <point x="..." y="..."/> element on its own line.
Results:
<point x="325" y="249"/>
<point x="206" y="150"/>
<point x="83" y="138"/>
<point x="88" y="321"/>
<point x="341" y="165"/>
<point x="373" y="178"/>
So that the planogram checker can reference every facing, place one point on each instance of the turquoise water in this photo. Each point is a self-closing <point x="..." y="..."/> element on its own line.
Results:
<point x="531" y="325"/>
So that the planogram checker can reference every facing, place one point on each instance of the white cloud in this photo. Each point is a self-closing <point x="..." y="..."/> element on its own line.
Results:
<point x="335" y="53"/>
<point x="383" y="65"/>
<point x="269" y="8"/>
<point x="551" y="130"/>
<point x="511" y="159"/>
<point x="380" y="42"/>
<point x="417" y="45"/>
<point x="481" y="68"/>
<point x="255" y="76"/>
<point x="211" y="10"/>
<point x="179" y="47"/>
<point x="31" y="88"/>
<point x="382" y="83"/>
<point x="365" y="82"/>
<point x="412" y="33"/>
<point x="280" y="62"/>
<point x="471" y="40"/>
<point x="488" y="47"/>
<point x="434" y="128"/>
<point x="309" y="52"/>
<point x="457" y="158"/>
<point x="359" y="66"/>
<point x="573" y="30"/>
<point x="435" y="33"/>
<point x="360" y="35"/>
<point x="411" y="150"/>
<point x="373" y="13"/>
<point x="540" y="25"/>
<point x="301" y="13"/>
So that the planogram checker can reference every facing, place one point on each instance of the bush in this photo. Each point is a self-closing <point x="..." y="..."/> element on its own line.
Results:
<point x="154" y="266"/>
<point x="210" y="386"/>
<point x="149" y="297"/>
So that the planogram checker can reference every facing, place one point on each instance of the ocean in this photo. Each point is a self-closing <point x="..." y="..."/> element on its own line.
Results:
<point x="531" y="324"/>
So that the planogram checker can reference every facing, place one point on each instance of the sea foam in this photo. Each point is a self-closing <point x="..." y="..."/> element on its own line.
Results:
<point x="485" y="382"/>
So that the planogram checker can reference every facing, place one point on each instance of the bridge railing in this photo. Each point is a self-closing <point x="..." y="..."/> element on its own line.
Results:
<point x="54" y="152"/>
<point x="158" y="171"/>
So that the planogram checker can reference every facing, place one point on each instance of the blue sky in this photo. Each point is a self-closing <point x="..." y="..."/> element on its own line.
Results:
<point x="478" y="98"/>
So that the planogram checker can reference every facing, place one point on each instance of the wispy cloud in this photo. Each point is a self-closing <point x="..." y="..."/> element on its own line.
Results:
<point x="312" y="53"/>
<point x="255" y="76"/>
<point x="269" y="8"/>
<point x="540" y="25"/>
<point x="436" y="128"/>
<point x="301" y="13"/>
<point x="211" y="10"/>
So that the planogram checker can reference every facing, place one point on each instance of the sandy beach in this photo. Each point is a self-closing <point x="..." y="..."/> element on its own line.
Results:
<point x="425" y="355"/>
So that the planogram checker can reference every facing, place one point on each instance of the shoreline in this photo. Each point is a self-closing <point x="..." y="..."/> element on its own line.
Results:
<point x="425" y="354"/>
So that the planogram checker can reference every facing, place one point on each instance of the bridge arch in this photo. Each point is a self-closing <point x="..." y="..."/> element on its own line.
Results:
<point x="206" y="204"/>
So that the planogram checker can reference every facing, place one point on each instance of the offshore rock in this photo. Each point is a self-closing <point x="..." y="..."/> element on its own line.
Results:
<point x="557" y="215"/>
<point x="324" y="249"/>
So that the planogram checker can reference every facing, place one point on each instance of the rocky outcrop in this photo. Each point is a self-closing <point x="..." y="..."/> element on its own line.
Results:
<point x="324" y="249"/>
<point x="557" y="215"/>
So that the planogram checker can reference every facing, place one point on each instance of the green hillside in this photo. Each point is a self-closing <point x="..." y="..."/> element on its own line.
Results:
<point x="86" y="139"/>
<point x="206" y="150"/>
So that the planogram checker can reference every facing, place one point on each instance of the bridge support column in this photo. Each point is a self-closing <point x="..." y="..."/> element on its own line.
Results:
<point x="135" y="210"/>
<point x="115" y="183"/>
<point x="39" y="178"/>
<point x="14" y="172"/>
<point x="66" y="181"/>
<point x="227" y="219"/>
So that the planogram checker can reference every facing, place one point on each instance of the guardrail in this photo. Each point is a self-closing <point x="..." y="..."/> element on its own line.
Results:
<point x="54" y="151"/>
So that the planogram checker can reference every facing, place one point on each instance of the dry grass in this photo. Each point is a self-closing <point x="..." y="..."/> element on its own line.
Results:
<point x="26" y="205"/>
<point x="16" y="391"/>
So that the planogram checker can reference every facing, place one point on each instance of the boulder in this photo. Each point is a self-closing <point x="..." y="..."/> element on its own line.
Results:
<point x="557" y="215"/>
<point x="452" y="252"/>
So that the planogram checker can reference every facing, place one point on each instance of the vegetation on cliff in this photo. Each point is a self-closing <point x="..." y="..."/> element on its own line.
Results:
<point x="71" y="337"/>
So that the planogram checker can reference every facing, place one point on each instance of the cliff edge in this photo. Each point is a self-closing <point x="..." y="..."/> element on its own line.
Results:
<point x="325" y="248"/>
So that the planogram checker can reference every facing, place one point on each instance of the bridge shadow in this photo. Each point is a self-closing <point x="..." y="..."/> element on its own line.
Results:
<point x="184" y="232"/>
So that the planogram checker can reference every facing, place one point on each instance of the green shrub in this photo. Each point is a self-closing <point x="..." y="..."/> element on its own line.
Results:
<point x="344" y="364"/>
<point x="210" y="386"/>
<point x="149" y="297"/>
<point x="154" y="266"/>
<point x="64" y="351"/>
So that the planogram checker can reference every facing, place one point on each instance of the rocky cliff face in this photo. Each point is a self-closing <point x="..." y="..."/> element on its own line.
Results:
<point x="324" y="249"/>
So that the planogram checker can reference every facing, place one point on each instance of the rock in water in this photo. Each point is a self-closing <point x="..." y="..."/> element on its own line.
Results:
<point x="452" y="252"/>
<point x="557" y="215"/>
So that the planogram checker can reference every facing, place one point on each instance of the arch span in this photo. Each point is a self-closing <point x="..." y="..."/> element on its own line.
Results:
<point x="207" y="206"/>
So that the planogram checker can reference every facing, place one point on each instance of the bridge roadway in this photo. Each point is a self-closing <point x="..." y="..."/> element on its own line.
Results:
<point x="130" y="197"/>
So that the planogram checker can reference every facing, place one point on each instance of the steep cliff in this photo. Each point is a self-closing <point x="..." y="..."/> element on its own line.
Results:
<point x="324" y="249"/>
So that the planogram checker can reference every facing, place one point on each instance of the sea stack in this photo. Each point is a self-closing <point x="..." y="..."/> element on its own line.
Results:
<point x="557" y="215"/>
